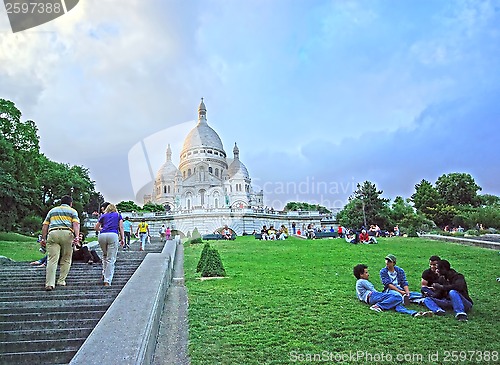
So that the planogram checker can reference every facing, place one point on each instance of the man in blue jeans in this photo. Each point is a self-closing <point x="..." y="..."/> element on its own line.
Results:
<point x="380" y="301"/>
<point x="451" y="292"/>
<point x="394" y="280"/>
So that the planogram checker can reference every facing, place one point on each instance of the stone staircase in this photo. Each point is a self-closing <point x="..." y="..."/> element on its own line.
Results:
<point x="39" y="327"/>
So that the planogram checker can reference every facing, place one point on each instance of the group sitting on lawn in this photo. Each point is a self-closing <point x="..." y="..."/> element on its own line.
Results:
<point x="441" y="288"/>
<point x="271" y="233"/>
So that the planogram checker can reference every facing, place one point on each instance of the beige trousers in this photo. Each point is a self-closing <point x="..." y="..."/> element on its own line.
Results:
<point x="59" y="246"/>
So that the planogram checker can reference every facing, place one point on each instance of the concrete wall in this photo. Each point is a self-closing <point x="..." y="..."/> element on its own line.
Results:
<point x="126" y="334"/>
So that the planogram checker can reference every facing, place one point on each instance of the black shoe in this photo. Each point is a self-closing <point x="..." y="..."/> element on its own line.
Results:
<point x="440" y="313"/>
<point x="462" y="317"/>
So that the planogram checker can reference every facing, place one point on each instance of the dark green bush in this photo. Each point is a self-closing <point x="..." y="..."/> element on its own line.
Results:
<point x="213" y="264"/>
<point x="472" y="232"/>
<point x="31" y="225"/>
<point x="203" y="257"/>
<point x="412" y="232"/>
<point x="195" y="240"/>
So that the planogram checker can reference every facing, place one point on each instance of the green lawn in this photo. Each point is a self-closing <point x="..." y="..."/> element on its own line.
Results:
<point x="18" y="247"/>
<point x="294" y="301"/>
<point x="22" y="248"/>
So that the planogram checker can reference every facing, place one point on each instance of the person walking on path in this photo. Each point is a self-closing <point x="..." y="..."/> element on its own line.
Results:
<point x="127" y="230"/>
<point x="60" y="229"/>
<point x="110" y="226"/>
<point x="143" y="233"/>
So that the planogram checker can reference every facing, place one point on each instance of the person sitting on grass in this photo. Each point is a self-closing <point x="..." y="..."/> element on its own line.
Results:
<point x="226" y="233"/>
<point x="271" y="233"/>
<point x="380" y="302"/>
<point x="430" y="277"/>
<point x="351" y="237"/>
<point x="394" y="281"/>
<point x="283" y="233"/>
<point x="452" y="294"/>
<point x="81" y="252"/>
<point x="40" y="263"/>
<point x="263" y="233"/>
<point x="365" y="238"/>
<point x="310" y="232"/>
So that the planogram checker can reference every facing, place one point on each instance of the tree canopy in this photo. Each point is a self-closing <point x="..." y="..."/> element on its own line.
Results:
<point x="296" y="206"/>
<point x="30" y="183"/>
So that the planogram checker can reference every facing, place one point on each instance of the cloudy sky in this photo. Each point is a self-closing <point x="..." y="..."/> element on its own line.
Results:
<point x="319" y="95"/>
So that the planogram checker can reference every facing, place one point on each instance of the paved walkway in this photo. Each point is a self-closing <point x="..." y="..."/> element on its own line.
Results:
<point x="172" y="342"/>
<point x="485" y="242"/>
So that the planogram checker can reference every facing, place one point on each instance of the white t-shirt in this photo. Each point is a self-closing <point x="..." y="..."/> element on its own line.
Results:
<point x="394" y="277"/>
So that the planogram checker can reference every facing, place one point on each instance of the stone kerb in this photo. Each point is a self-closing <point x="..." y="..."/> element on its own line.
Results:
<point x="470" y="241"/>
<point x="127" y="332"/>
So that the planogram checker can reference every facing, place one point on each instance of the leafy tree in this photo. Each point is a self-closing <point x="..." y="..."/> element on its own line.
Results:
<point x="401" y="210"/>
<point x="409" y="221"/>
<point x="19" y="147"/>
<point x="58" y="179"/>
<point x="489" y="200"/>
<point x="442" y="214"/>
<point x="365" y="205"/>
<point x="21" y="135"/>
<point x="458" y="189"/>
<point x="153" y="207"/>
<point x="488" y="216"/>
<point x="128" y="206"/>
<point x="296" y="206"/>
<point x="29" y="182"/>
<point x="94" y="204"/>
<point x="426" y="197"/>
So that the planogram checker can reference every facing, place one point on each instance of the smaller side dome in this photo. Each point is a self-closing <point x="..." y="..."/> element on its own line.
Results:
<point x="237" y="166"/>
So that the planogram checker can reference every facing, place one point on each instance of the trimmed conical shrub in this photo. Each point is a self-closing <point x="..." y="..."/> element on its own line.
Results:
<point x="195" y="234"/>
<point x="213" y="264"/>
<point x="203" y="257"/>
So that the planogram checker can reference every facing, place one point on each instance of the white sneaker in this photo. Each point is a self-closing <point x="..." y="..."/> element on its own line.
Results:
<point x="423" y="314"/>
<point x="376" y="308"/>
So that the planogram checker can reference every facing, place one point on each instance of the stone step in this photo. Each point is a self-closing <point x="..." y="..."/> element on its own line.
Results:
<point x="41" y="345"/>
<point x="50" y="316"/>
<point x="39" y="310"/>
<point x="61" y="323"/>
<point x="39" y="327"/>
<point x="43" y="334"/>
<point x="39" y="357"/>
<point x="60" y="295"/>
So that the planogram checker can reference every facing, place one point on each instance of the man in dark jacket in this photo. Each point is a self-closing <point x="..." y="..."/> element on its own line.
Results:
<point x="457" y="296"/>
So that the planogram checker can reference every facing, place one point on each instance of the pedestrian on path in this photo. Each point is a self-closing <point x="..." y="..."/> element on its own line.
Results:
<point x="60" y="229"/>
<point x="110" y="226"/>
<point x="143" y="233"/>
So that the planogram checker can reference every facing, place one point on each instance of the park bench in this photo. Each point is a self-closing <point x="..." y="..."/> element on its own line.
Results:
<point x="326" y="234"/>
<point x="216" y="236"/>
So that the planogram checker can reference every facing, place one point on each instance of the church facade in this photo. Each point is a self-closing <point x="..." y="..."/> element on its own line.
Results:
<point x="205" y="178"/>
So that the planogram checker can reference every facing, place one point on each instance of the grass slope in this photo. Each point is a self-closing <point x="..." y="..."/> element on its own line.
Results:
<point x="294" y="301"/>
<point x="18" y="247"/>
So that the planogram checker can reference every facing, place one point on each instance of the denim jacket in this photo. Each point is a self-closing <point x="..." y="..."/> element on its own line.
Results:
<point x="386" y="280"/>
<point x="363" y="287"/>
